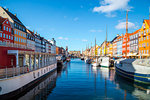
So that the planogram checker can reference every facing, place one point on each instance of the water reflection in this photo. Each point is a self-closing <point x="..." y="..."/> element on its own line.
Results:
<point x="43" y="89"/>
<point x="141" y="91"/>
<point x="77" y="80"/>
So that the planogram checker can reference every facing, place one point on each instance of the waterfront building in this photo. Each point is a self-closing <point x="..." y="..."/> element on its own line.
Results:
<point x="114" y="44"/>
<point x="43" y="45"/>
<point x="144" y="40"/>
<point x="75" y="53"/>
<point x="125" y="45"/>
<point x="107" y="48"/>
<point x="103" y="45"/>
<point x="18" y="27"/>
<point x="6" y="33"/>
<point x="133" y="44"/>
<point x="37" y="42"/>
<point x="53" y="46"/>
<point x="119" y="46"/>
<point x="110" y="49"/>
<point x="30" y="40"/>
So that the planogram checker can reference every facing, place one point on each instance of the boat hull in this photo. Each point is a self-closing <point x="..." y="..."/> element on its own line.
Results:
<point x="11" y="87"/>
<point x="141" y="78"/>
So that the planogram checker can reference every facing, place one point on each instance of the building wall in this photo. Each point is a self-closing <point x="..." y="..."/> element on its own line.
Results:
<point x="20" y="37"/>
<point x="6" y="32"/>
<point x="144" y="40"/>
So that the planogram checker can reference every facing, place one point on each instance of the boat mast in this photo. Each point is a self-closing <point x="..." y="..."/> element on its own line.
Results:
<point x="95" y="47"/>
<point x="106" y="41"/>
<point x="126" y="32"/>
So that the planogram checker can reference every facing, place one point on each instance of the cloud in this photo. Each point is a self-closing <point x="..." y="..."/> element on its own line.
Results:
<point x="109" y="6"/>
<point x="84" y="40"/>
<point x="122" y="25"/>
<point x="62" y="38"/>
<point x="76" y="19"/>
<point x="95" y="30"/>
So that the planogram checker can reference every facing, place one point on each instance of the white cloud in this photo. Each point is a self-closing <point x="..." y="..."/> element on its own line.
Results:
<point x="122" y="25"/>
<point x="84" y="40"/>
<point x="62" y="38"/>
<point x="108" y="6"/>
<point x="76" y="19"/>
<point x="95" y="30"/>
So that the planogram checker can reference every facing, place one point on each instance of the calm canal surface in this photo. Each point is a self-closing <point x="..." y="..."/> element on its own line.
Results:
<point x="80" y="81"/>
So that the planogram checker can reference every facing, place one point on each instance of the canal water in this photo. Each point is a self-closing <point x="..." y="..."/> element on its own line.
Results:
<point x="79" y="81"/>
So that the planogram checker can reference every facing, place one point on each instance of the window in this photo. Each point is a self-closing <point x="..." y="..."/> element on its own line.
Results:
<point x="4" y="27"/>
<point x="6" y="36"/>
<point x="147" y="37"/>
<point x="147" y="51"/>
<point x="0" y="34"/>
<point x="147" y="44"/>
<point x="7" y="22"/>
<point x="3" y="35"/>
<point x="12" y="38"/>
<point x="7" y="28"/>
<point x="144" y="38"/>
<point x="9" y="36"/>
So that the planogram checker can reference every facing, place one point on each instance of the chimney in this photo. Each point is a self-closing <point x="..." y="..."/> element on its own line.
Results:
<point x="15" y="14"/>
<point x="7" y="9"/>
<point x="33" y="31"/>
<point x="117" y="35"/>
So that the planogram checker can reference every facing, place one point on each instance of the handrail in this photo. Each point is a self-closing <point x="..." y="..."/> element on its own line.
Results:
<point x="11" y="71"/>
<point x="6" y="44"/>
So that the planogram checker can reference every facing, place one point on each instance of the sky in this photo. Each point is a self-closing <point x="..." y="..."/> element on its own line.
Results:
<point x="76" y="23"/>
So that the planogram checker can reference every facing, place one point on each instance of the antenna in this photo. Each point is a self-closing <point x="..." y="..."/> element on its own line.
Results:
<point x="149" y="13"/>
<point x="126" y="32"/>
<point x="106" y="41"/>
<point x="95" y="46"/>
<point x="127" y="21"/>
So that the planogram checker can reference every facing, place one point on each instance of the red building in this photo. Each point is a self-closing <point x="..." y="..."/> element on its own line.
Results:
<point x="6" y="34"/>
<point x="125" y="45"/>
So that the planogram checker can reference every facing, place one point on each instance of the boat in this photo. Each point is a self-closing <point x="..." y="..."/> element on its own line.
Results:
<point x="88" y="61"/>
<point x="104" y="62"/>
<point x="95" y="63"/>
<point x="68" y="59"/>
<point x="82" y="58"/>
<point x="137" y="70"/>
<point x="141" y="91"/>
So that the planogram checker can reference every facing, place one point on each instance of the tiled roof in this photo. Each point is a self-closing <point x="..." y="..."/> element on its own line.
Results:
<point x="2" y="20"/>
<point x="148" y="22"/>
<point x="135" y="32"/>
<point x="14" y="18"/>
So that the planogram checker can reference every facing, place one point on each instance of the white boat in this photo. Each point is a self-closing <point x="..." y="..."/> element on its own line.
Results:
<point x="18" y="81"/>
<point x="134" y="69"/>
<point x="104" y="62"/>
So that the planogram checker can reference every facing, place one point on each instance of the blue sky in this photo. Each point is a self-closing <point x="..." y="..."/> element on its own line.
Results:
<point x="76" y="23"/>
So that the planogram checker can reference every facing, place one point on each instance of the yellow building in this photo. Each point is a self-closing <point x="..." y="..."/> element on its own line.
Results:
<point x="144" y="40"/>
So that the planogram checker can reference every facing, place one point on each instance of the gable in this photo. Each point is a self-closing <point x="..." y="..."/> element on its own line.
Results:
<point x="6" y="22"/>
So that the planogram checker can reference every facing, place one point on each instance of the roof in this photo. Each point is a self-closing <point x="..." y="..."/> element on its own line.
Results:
<point x="148" y="22"/>
<point x="32" y="33"/>
<point x="135" y="32"/>
<point x="114" y="39"/>
<point x="14" y="18"/>
<point x="2" y="20"/>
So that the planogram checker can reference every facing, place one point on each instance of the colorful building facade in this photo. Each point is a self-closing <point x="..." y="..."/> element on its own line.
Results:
<point x="144" y="40"/>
